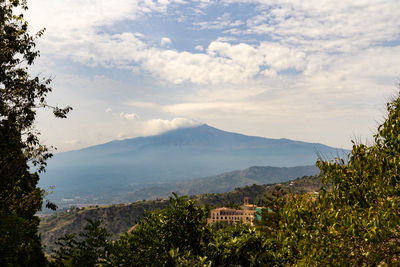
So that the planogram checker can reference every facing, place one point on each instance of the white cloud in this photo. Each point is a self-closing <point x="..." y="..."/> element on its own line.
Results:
<point x="221" y="22"/>
<point x="230" y="92"/>
<point x="156" y="126"/>
<point x="131" y="129"/>
<point x="129" y="116"/>
<point x="215" y="108"/>
<point x="199" y="48"/>
<point x="129" y="125"/>
<point x="66" y="16"/>
<point x="165" y="42"/>
<point x="143" y="104"/>
<point x="108" y="110"/>
<point x="223" y="63"/>
<point x="74" y="34"/>
<point x="121" y="135"/>
<point x="329" y="25"/>
<point x="281" y="58"/>
<point x="73" y="28"/>
<point x="205" y="3"/>
<point x="178" y="67"/>
<point x="72" y="142"/>
<point x="299" y="31"/>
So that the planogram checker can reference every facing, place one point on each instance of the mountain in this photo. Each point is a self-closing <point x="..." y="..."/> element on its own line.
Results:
<point x="96" y="173"/>
<point x="221" y="183"/>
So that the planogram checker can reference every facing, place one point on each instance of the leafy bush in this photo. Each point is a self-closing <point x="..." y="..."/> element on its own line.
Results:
<point x="357" y="221"/>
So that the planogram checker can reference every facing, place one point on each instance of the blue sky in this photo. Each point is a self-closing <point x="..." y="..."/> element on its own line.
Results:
<point x="317" y="71"/>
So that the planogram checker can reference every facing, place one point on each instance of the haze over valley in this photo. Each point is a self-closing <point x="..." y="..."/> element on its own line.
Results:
<point x="149" y="167"/>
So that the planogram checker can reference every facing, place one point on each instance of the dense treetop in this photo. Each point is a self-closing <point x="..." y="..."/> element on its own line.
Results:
<point x="20" y="95"/>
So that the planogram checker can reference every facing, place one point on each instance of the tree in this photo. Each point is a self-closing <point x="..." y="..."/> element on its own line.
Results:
<point x="86" y="249"/>
<point x="20" y="95"/>
<point x="162" y="235"/>
<point x="178" y="235"/>
<point x="357" y="221"/>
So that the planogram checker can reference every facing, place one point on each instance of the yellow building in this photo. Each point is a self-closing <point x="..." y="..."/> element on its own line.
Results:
<point x="246" y="214"/>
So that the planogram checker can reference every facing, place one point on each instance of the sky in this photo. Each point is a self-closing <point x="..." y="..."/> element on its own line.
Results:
<point x="309" y="70"/>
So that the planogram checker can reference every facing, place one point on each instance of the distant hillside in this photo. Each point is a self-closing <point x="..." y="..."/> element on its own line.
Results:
<point x="101" y="172"/>
<point x="222" y="183"/>
<point x="116" y="218"/>
<point x="120" y="218"/>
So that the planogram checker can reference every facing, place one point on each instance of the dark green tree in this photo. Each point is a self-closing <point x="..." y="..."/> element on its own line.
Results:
<point x="20" y="95"/>
<point x="85" y="249"/>
<point x="271" y="216"/>
<point x="178" y="228"/>
<point x="357" y="221"/>
<point x="243" y="245"/>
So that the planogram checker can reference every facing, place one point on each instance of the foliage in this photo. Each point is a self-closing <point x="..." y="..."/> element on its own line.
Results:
<point x="20" y="95"/>
<point x="357" y="221"/>
<point x="243" y="245"/>
<point x="118" y="219"/>
<point x="19" y="201"/>
<point x="86" y="249"/>
<point x="271" y="217"/>
<point x="181" y="226"/>
<point x="178" y="235"/>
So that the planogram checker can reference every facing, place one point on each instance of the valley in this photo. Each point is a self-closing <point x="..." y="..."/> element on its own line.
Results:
<point x="124" y="171"/>
<point x="119" y="218"/>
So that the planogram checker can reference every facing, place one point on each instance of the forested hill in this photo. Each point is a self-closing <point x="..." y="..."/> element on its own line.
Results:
<point x="120" y="218"/>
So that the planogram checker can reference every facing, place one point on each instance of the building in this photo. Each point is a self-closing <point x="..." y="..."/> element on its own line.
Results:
<point x="246" y="214"/>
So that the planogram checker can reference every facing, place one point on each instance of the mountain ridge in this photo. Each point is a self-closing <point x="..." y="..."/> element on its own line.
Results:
<point x="203" y="128"/>
<point x="222" y="183"/>
<point x="128" y="165"/>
